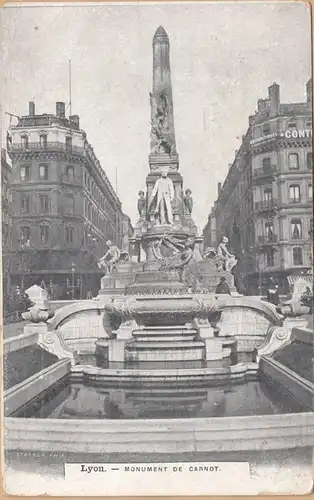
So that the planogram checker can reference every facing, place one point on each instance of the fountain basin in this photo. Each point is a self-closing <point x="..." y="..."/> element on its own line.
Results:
<point x="158" y="310"/>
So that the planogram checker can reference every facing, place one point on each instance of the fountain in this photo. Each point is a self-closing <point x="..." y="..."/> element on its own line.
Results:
<point x="158" y="342"/>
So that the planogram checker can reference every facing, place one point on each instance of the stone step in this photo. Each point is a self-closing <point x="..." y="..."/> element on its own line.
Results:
<point x="166" y="393"/>
<point x="188" y="352"/>
<point x="166" y="328"/>
<point x="165" y="332"/>
<point x="167" y="345"/>
<point x="164" y="338"/>
<point x="168" y="400"/>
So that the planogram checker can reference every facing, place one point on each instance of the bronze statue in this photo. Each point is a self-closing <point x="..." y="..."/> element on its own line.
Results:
<point x="141" y="203"/>
<point x="188" y="202"/>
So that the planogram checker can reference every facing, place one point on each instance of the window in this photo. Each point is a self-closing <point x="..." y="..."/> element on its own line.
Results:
<point x="68" y="143"/>
<point x="69" y="235"/>
<point x="266" y="129"/>
<point x="24" y="141"/>
<point x="293" y="161"/>
<point x="310" y="192"/>
<point x="296" y="229"/>
<point x="266" y="164"/>
<point x="24" y="173"/>
<point x="70" y="172"/>
<point x="269" y="231"/>
<point x="294" y="193"/>
<point x="297" y="256"/>
<point x="25" y="234"/>
<point x="43" y="172"/>
<point x="292" y="125"/>
<point x="44" y="234"/>
<point x="25" y="203"/>
<point x="268" y="194"/>
<point x="43" y="203"/>
<point x="69" y="204"/>
<point x="43" y="141"/>
<point x="270" y="260"/>
<point x="257" y="132"/>
<point x="309" y="161"/>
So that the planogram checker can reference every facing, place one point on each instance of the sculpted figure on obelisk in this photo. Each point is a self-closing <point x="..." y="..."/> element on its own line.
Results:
<point x="162" y="126"/>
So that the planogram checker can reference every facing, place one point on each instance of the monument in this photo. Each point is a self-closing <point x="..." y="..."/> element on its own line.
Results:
<point x="165" y="313"/>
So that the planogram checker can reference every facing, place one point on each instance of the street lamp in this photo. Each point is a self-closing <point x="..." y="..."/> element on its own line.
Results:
<point x="24" y="244"/>
<point x="73" y="267"/>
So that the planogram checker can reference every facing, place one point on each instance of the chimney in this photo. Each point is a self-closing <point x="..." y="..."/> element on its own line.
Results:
<point x="31" y="108"/>
<point x="274" y="99"/>
<point x="3" y="154"/>
<point x="76" y="120"/>
<point x="309" y="90"/>
<point x="60" y="109"/>
<point x="219" y="188"/>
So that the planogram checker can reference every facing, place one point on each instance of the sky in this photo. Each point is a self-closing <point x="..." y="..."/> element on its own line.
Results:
<point x="223" y="57"/>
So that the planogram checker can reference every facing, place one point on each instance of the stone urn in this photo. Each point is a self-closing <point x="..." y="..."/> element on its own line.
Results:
<point x="37" y="315"/>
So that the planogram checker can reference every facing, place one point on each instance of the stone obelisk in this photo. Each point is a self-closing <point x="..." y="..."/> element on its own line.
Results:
<point x="165" y="208"/>
<point x="162" y="136"/>
<point x="163" y="153"/>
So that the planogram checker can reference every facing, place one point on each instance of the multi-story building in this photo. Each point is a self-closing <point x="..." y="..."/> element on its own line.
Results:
<point x="64" y="206"/>
<point x="6" y="218"/>
<point x="265" y="203"/>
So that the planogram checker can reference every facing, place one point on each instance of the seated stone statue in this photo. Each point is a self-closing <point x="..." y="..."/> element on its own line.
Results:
<point x="225" y="260"/>
<point x="109" y="261"/>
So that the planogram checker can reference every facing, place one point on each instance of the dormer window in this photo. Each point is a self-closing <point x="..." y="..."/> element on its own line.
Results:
<point x="24" y="141"/>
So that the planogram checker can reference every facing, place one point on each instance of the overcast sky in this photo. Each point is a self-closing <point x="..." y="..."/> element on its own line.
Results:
<point x="223" y="58"/>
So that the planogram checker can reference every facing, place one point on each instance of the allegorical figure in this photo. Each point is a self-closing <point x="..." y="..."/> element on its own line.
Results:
<point x="188" y="202"/>
<point x="141" y="203"/>
<point x="226" y="260"/>
<point x="111" y="257"/>
<point x="163" y="192"/>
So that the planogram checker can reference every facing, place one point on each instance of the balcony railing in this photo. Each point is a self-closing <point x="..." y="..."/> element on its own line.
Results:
<point x="294" y="201"/>
<point x="267" y="240"/>
<point x="266" y="205"/>
<point x="269" y="171"/>
<point x="71" y="179"/>
<point x="48" y="146"/>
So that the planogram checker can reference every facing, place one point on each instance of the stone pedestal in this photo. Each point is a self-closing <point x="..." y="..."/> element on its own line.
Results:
<point x="205" y="329"/>
<point x="123" y="276"/>
<point x="39" y="328"/>
<point x="116" y="350"/>
<point x="213" y="349"/>
<point x="126" y="329"/>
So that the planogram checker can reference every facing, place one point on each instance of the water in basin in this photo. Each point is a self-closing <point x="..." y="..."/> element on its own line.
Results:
<point x="81" y="401"/>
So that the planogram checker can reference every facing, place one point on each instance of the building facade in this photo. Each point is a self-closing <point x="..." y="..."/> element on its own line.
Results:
<point x="6" y="218"/>
<point x="64" y="206"/>
<point x="265" y="203"/>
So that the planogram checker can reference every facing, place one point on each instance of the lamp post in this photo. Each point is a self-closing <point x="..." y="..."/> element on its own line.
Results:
<point x="73" y="267"/>
<point x="24" y="244"/>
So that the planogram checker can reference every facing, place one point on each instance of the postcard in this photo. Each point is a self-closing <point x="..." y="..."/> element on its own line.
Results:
<point x="157" y="256"/>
